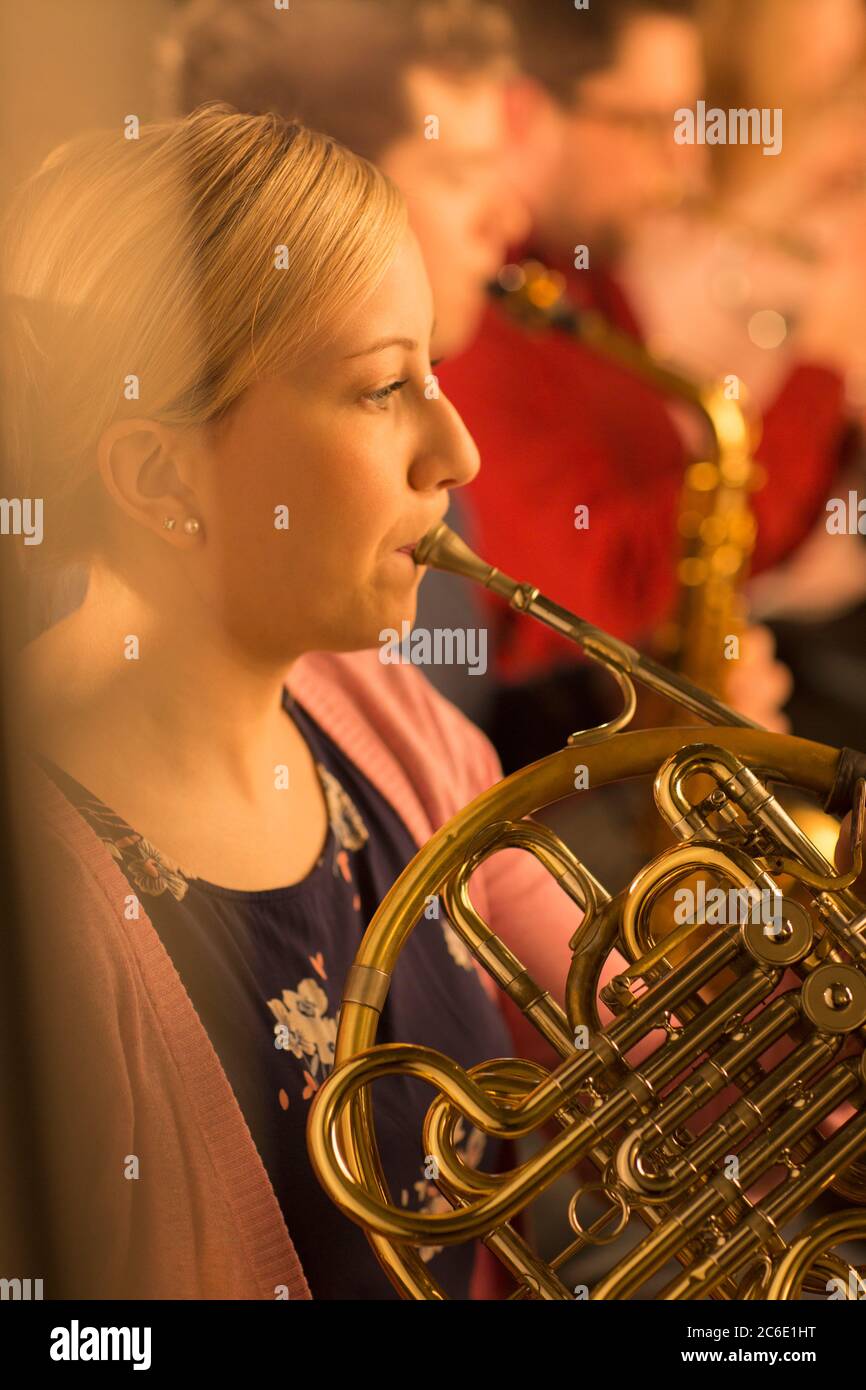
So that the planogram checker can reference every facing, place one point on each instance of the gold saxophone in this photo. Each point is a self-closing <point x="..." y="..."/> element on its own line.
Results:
<point x="716" y="523"/>
<point x="720" y="1200"/>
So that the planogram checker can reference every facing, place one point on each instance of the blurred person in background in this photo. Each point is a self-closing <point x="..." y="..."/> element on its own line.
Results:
<point x="448" y="60"/>
<point x="591" y="137"/>
<point x="768" y="271"/>
<point x="417" y="87"/>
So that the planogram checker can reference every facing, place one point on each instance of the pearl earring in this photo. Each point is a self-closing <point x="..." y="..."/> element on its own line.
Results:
<point x="191" y="526"/>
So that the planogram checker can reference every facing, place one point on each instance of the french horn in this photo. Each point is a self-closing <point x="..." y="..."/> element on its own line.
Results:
<point x="703" y="1003"/>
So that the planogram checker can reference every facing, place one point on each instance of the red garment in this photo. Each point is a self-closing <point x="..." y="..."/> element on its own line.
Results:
<point x="558" y="425"/>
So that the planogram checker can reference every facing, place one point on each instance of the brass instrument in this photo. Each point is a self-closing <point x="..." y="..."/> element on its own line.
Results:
<point x="679" y="1194"/>
<point x="715" y="522"/>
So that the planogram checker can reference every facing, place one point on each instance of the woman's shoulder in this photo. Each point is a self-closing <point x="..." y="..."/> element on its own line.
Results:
<point x="53" y="837"/>
<point x="71" y="895"/>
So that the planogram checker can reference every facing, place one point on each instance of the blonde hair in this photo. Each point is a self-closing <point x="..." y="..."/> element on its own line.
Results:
<point x="185" y="264"/>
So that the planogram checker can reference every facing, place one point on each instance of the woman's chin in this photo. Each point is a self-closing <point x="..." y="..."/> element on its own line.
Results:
<point x="398" y="603"/>
<point x="394" y="615"/>
<point x="390" y="622"/>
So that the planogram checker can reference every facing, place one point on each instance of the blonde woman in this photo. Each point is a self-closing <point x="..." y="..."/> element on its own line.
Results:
<point x="218" y="378"/>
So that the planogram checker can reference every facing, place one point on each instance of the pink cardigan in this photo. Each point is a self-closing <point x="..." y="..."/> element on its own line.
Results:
<point x="129" y="1071"/>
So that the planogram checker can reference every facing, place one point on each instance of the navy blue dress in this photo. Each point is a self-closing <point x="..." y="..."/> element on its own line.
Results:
<point x="265" y="971"/>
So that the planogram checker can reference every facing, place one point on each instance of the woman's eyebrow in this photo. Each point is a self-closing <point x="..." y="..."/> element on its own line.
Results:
<point x="408" y="343"/>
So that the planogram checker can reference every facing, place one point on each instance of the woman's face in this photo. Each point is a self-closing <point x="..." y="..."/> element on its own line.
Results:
<point x="352" y="445"/>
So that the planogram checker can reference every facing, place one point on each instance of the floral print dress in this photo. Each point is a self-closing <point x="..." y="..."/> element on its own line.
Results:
<point x="265" y="971"/>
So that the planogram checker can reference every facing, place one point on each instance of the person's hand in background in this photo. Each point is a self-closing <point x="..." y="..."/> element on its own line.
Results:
<point x="824" y="578"/>
<point x="759" y="686"/>
<point x="829" y="328"/>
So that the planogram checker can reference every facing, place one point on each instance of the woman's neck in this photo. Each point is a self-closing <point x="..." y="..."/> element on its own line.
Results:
<point x="139" y="672"/>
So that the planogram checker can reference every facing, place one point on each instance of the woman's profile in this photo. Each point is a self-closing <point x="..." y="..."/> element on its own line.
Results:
<point x="219" y="383"/>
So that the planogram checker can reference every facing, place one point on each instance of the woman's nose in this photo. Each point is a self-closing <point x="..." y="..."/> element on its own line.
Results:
<point x="449" y="456"/>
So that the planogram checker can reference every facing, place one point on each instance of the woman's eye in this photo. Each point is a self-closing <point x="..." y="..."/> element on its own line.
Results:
<point x="380" y="397"/>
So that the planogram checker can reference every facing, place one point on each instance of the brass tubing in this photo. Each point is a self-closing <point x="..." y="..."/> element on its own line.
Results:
<point x="444" y="550"/>
<point x="504" y="1198"/>
<point x="660" y="874"/>
<point x="591" y="948"/>
<point x="441" y="1228"/>
<point x="793" y="1267"/>
<point x="632" y="754"/>
<point x="685" y="1222"/>
<point x="509" y="973"/>
<point x="841" y="909"/>
<point x="741" y="1118"/>
<point x="765" y="1221"/>
<point x="804" y="764"/>
<point x="508" y="1079"/>
<point x="341" y="1137"/>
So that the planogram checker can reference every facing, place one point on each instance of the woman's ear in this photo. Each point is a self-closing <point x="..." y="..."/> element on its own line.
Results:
<point x="141" y="464"/>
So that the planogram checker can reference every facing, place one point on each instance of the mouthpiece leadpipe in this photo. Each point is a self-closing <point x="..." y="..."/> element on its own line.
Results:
<point x="442" y="549"/>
